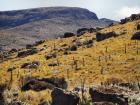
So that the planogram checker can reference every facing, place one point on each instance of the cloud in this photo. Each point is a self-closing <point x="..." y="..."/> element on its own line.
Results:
<point x="127" y="11"/>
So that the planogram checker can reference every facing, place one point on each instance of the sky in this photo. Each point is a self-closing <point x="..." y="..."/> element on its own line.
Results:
<point x="112" y="9"/>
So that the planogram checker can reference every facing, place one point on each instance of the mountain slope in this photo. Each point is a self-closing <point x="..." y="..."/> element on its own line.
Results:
<point x="15" y="18"/>
<point x="22" y="27"/>
<point x="111" y="61"/>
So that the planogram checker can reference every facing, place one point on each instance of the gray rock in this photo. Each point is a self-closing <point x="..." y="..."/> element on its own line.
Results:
<point x="31" y="65"/>
<point x="98" y="96"/>
<point x="60" y="97"/>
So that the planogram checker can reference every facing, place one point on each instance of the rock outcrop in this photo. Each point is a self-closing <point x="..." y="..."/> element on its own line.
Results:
<point x="82" y="31"/>
<point x="138" y="27"/>
<point x="68" y="34"/>
<point x="73" y="48"/>
<point x="50" y="56"/>
<point x="131" y="18"/>
<point x="136" y="36"/>
<point x="98" y="96"/>
<point x="44" y="83"/>
<point x="60" y="97"/>
<point x="27" y="52"/>
<point x="103" y="36"/>
<point x="30" y="65"/>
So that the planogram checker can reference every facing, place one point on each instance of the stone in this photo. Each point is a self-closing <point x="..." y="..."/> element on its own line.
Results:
<point x="103" y="36"/>
<point x="50" y="56"/>
<point x="68" y="34"/>
<point x="60" y="97"/>
<point x="98" y="96"/>
<point x="27" y="52"/>
<point x="136" y="36"/>
<point x="73" y="48"/>
<point x="31" y="65"/>
<point x="44" y="83"/>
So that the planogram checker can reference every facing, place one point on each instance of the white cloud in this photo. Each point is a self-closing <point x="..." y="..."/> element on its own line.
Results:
<point x="127" y="11"/>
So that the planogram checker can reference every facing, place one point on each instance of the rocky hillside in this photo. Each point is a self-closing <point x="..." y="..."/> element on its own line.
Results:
<point x="20" y="17"/>
<point x="107" y="60"/>
<point x="18" y="28"/>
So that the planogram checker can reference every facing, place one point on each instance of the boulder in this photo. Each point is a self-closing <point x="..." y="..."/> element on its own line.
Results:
<point x="88" y="43"/>
<point x="31" y="65"/>
<point x="50" y="56"/>
<point x="73" y="48"/>
<point x="123" y="21"/>
<point x="135" y="17"/>
<point x="27" y="52"/>
<point x="98" y="96"/>
<point x="103" y="36"/>
<point x="58" y="82"/>
<point x="68" y="34"/>
<point x="44" y="83"/>
<point x="136" y="36"/>
<point x="131" y="18"/>
<point x="82" y="31"/>
<point x="138" y="27"/>
<point x="60" y="97"/>
<point x="37" y="85"/>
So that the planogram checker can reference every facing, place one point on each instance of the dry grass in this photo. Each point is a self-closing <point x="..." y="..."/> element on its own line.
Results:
<point x="125" y="67"/>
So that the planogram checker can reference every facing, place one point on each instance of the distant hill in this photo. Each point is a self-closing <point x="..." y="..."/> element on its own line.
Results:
<point x="108" y="21"/>
<point x="21" y="27"/>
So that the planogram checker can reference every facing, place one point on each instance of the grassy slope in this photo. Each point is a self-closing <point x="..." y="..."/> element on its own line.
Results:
<point x="124" y="67"/>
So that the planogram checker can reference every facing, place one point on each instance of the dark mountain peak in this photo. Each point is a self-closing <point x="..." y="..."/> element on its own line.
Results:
<point x="20" y="17"/>
<point x="21" y="27"/>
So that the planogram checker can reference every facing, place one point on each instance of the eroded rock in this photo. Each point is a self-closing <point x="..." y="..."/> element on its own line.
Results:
<point x="103" y="36"/>
<point x="60" y="97"/>
<point x="136" y="36"/>
<point x="50" y="56"/>
<point x="68" y="34"/>
<point x="31" y="65"/>
<point x="27" y="52"/>
<point x="98" y="96"/>
<point x="44" y="83"/>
